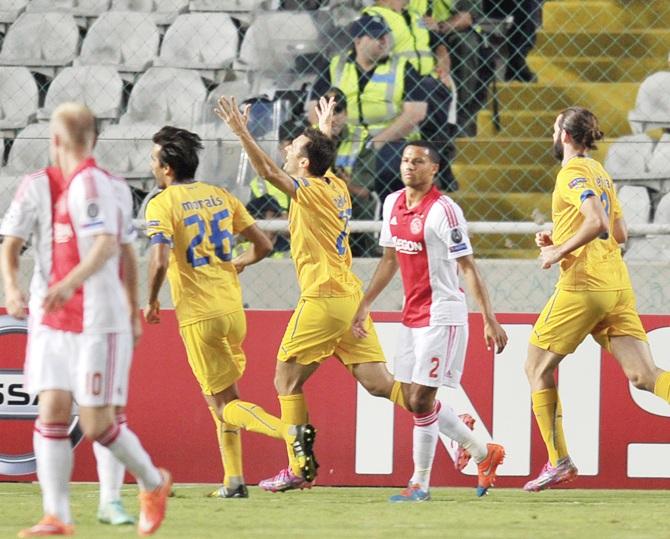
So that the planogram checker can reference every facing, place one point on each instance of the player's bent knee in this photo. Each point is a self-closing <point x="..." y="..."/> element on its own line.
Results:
<point x="421" y="404"/>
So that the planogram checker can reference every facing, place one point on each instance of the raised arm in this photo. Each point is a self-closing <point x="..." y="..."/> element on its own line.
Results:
<point x="264" y="165"/>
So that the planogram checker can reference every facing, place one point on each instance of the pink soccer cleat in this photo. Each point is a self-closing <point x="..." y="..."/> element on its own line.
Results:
<point x="283" y="481"/>
<point x="550" y="476"/>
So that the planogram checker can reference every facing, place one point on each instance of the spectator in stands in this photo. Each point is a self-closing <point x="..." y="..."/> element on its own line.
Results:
<point x="453" y="29"/>
<point x="521" y="36"/>
<point x="266" y="207"/>
<point x="385" y="99"/>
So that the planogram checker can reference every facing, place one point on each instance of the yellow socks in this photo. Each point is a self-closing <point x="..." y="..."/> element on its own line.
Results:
<point x="662" y="386"/>
<point x="253" y="418"/>
<point x="396" y="395"/>
<point x="230" y="446"/>
<point x="549" y="417"/>
<point x="293" y="412"/>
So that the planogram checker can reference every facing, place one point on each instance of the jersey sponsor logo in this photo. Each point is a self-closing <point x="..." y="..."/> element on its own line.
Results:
<point x="456" y="235"/>
<point x="340" y="201"/>
<point x="210" y="202"/>
<point x="408" y="247"/>
<point x="63" y="232"/>
<point x="577" y="183"/>
<point x="416" y="225"/>
<point x="458" y="248"/>
<point x="92" y="210"/>
<point x="153" y="223"/>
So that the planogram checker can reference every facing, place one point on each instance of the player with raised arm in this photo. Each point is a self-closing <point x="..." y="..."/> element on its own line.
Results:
<point x="86" y="328"/>
<point x="425" y="234"/>
<point x="29" y="217"/>
<point x="192" y="227"/>
<point x="594" y="294"/>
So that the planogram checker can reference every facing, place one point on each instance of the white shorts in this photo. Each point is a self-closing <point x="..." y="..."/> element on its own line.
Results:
<point x="94" y="368"/>
<point x="431" y="356"/>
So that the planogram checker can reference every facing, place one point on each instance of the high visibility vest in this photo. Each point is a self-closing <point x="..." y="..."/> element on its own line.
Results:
<point x="261" y="187"/>
<point x="382" y="98"/>
<point x="411" y="41"/>
<point x="350" y="146"/>
<point x="440" y="10"/>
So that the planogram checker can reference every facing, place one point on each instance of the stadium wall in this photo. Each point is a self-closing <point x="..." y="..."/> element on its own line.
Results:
<point x="616" y="434"/>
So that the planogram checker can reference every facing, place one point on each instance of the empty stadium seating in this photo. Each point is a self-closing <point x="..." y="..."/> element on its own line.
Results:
<point x="635" y="204"/>
<point x="10" y="11"/>
<point x="123" y="39"/>
<point x="18" y="98"/>
<point x="29" y="152"/>
<point x="166" y="95"/>
<point x="629" y="156"/>
<point x="99" y="87"/>
<point x="203" y="41"/>
<point x="43" y="42"/>
<point x="125" y="150"/>
<point x="163" y="12"/>
<point x="652" y="105"/>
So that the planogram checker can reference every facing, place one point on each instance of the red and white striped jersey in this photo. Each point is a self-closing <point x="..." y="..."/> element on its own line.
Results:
<point x="29" y="215"/>
<point x="428" y="239"/>
<point x="91" y="203"/>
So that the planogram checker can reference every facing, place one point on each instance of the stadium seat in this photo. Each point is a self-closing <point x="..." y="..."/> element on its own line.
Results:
<point x="10" y="11"/>
<point x="652" y="105"/>
<point x="662" y="215"/>
<point x="79" y="9"/>
<point x="238" y="88"/>
<point x="163" y="12"/>
<point x="8" y="186"/>
<point x="99" y="87"/>
<point x="203" y="41"/>
<point x="635" y="203"/>
<point x="30" y="150"/>
<point x="628" y="156"/>
<point x="275" y="39"/>
<point x="125" y="150"/>
<point x="236" y="7"/>
<point x="123" y="39"/>
<point x="659" y="163"/>
<point x="220" y="160"/>
<point x="42" y="42"/>
<point x="18" y="98"/>
<point x="167" y="95"/>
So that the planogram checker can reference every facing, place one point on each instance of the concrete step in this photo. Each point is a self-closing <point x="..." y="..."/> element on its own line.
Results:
<point x="504" y="151"/>
<point x="505" y="178"/>
<point x="535" y="123"/>
<point x="604" y="16"/>
<point x="504" y="252"/>
<point x="496" y="206"/>
<point x="594" y="68"/>
<point x="556" y="97"/>
<point x="624" y="44"/>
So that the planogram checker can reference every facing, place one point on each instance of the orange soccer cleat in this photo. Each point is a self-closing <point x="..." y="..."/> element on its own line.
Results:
<point x="153" y="504"/>
<point x="49" y="525"/>
<point x="487" y="468"/>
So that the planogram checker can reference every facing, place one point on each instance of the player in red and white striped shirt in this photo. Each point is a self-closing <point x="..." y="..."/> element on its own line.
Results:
<point x="87" y="325"/>
<point x="425" y="234"/>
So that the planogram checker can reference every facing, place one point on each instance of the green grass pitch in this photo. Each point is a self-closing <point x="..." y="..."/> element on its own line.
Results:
<point x="365" y="512"/>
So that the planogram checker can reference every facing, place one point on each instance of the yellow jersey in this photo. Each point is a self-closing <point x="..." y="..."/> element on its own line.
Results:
<point x="199" y="222"/>
<point x="598" y="265"/>
<point x="319" y="227"/>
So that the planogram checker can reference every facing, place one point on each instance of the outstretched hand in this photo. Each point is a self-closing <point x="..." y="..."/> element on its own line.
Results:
<point x="324" y="112"/>
<point x="226" y="109"/>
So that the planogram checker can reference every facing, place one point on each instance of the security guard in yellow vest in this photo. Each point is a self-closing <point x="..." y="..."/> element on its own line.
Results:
<point x="385" y="99"/>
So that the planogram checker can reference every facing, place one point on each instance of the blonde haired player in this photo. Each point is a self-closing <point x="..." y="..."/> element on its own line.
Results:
<point x="593" y="295"/>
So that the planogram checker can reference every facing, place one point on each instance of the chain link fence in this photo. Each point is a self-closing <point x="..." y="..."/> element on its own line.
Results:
<point x="483" y="80"/>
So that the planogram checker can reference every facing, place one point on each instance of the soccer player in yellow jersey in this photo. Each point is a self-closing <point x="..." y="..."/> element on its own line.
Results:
<point x="329" y="291"/>
<point x="192" y="226"/>
<point x="593" y="294"/>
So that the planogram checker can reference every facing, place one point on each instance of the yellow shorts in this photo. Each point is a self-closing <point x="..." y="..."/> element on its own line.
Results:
<point x="569" y="316"/>
<point x="321" y="327"/>
<point x="214" y="350"/>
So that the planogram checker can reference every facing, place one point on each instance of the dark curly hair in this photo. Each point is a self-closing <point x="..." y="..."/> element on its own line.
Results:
<point x="179" y="150"/>
<point x="320" y="150"/>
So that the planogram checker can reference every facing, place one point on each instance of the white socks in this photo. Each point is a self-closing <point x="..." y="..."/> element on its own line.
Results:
<point x="451" y="426"/>
<point x="126" y="447"/>
<point x="110" y="470"/>
<point x="53" y="453"/>
<point x="425" y="434"/>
